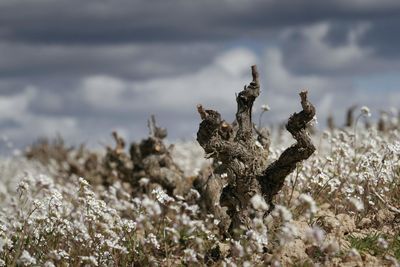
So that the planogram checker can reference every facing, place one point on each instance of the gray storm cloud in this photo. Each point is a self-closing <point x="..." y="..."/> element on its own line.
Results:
<point x="82" y="69"/>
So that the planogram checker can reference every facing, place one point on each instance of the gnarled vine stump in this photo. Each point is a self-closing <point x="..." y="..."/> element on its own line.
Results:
<point x="240" y="170"/>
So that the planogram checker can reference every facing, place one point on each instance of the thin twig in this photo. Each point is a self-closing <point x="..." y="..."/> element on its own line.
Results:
<point x="390" y="207"/>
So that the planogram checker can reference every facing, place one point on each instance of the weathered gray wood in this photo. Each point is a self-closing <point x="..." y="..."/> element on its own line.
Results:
<point x="242" y="167"/>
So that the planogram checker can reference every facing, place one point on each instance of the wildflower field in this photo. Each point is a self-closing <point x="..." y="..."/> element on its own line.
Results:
<point x="338" y="208"/>
<point x="153" y="204"/>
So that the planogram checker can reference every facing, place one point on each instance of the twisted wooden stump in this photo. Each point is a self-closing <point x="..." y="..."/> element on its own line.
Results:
<point x="242" y="172"/>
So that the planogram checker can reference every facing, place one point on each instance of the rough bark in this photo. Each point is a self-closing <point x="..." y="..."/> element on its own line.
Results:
<point x="152" y="158"/>
<point x="273" y="177"/>
<point x="240" y="169"/>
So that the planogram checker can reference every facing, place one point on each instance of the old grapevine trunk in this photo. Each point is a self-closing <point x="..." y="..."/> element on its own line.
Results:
<point x="240" y="170"/>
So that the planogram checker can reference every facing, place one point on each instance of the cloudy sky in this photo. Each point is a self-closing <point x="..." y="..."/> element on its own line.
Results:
<point x="85" y="68"/>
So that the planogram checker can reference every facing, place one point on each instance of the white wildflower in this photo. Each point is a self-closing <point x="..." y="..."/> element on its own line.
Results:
<point x="358" y="204"/>
<point x="259" y="239"/>
<point x="193" y="209"/>
<point x="382" y="243"/>
<point x="265" y="107"/>
<point x="49" y="264"/>
<point x="58" y="255"/>
<point x="258" y="202"/>
<point x="152" y="207"/>
<point x="365" y="111"/>
<point x="23" y="186"/>
<point x="37" y="204"/>
<point x="90" y="259"/>
<point x="360" y="189"/>
<point x="2" y="263"/>
<point x="288" y="233"/>
<point x="190" y="255"/>
<point x="83" y="182"/>
<point x="193" y="195"/>
<point x="175" y="234"/>
<point x="129" y="225"/>
<point x="315" y="235"/>
<point x="152" y="239"/>
<point x="314" y="121"/>
<point x="326" y="134"/>
<point x="228" y="263"/>
<point x="282" y="212"/>
<point x="237" y="249"/>
<point x="211" y="236"/>
<point x="310" y="203"/>
<point x="354" y="254"/>
<point x="27" y="259"/>
<point x="161" y="196"/>
<point x="144" y="181"/>
<point x="44" y="181"/>
<point x="395" y="148"/>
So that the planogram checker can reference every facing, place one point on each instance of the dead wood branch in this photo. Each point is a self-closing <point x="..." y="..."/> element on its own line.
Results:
<point x="274" y="176"/>
<point x="241" y="162"/>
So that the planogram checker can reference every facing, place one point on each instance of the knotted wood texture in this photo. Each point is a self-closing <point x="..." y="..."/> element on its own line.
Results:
<point x="240" y="169"/>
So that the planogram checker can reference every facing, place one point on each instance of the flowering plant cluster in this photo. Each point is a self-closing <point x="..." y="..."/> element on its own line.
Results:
<point x="340" y="207"/>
